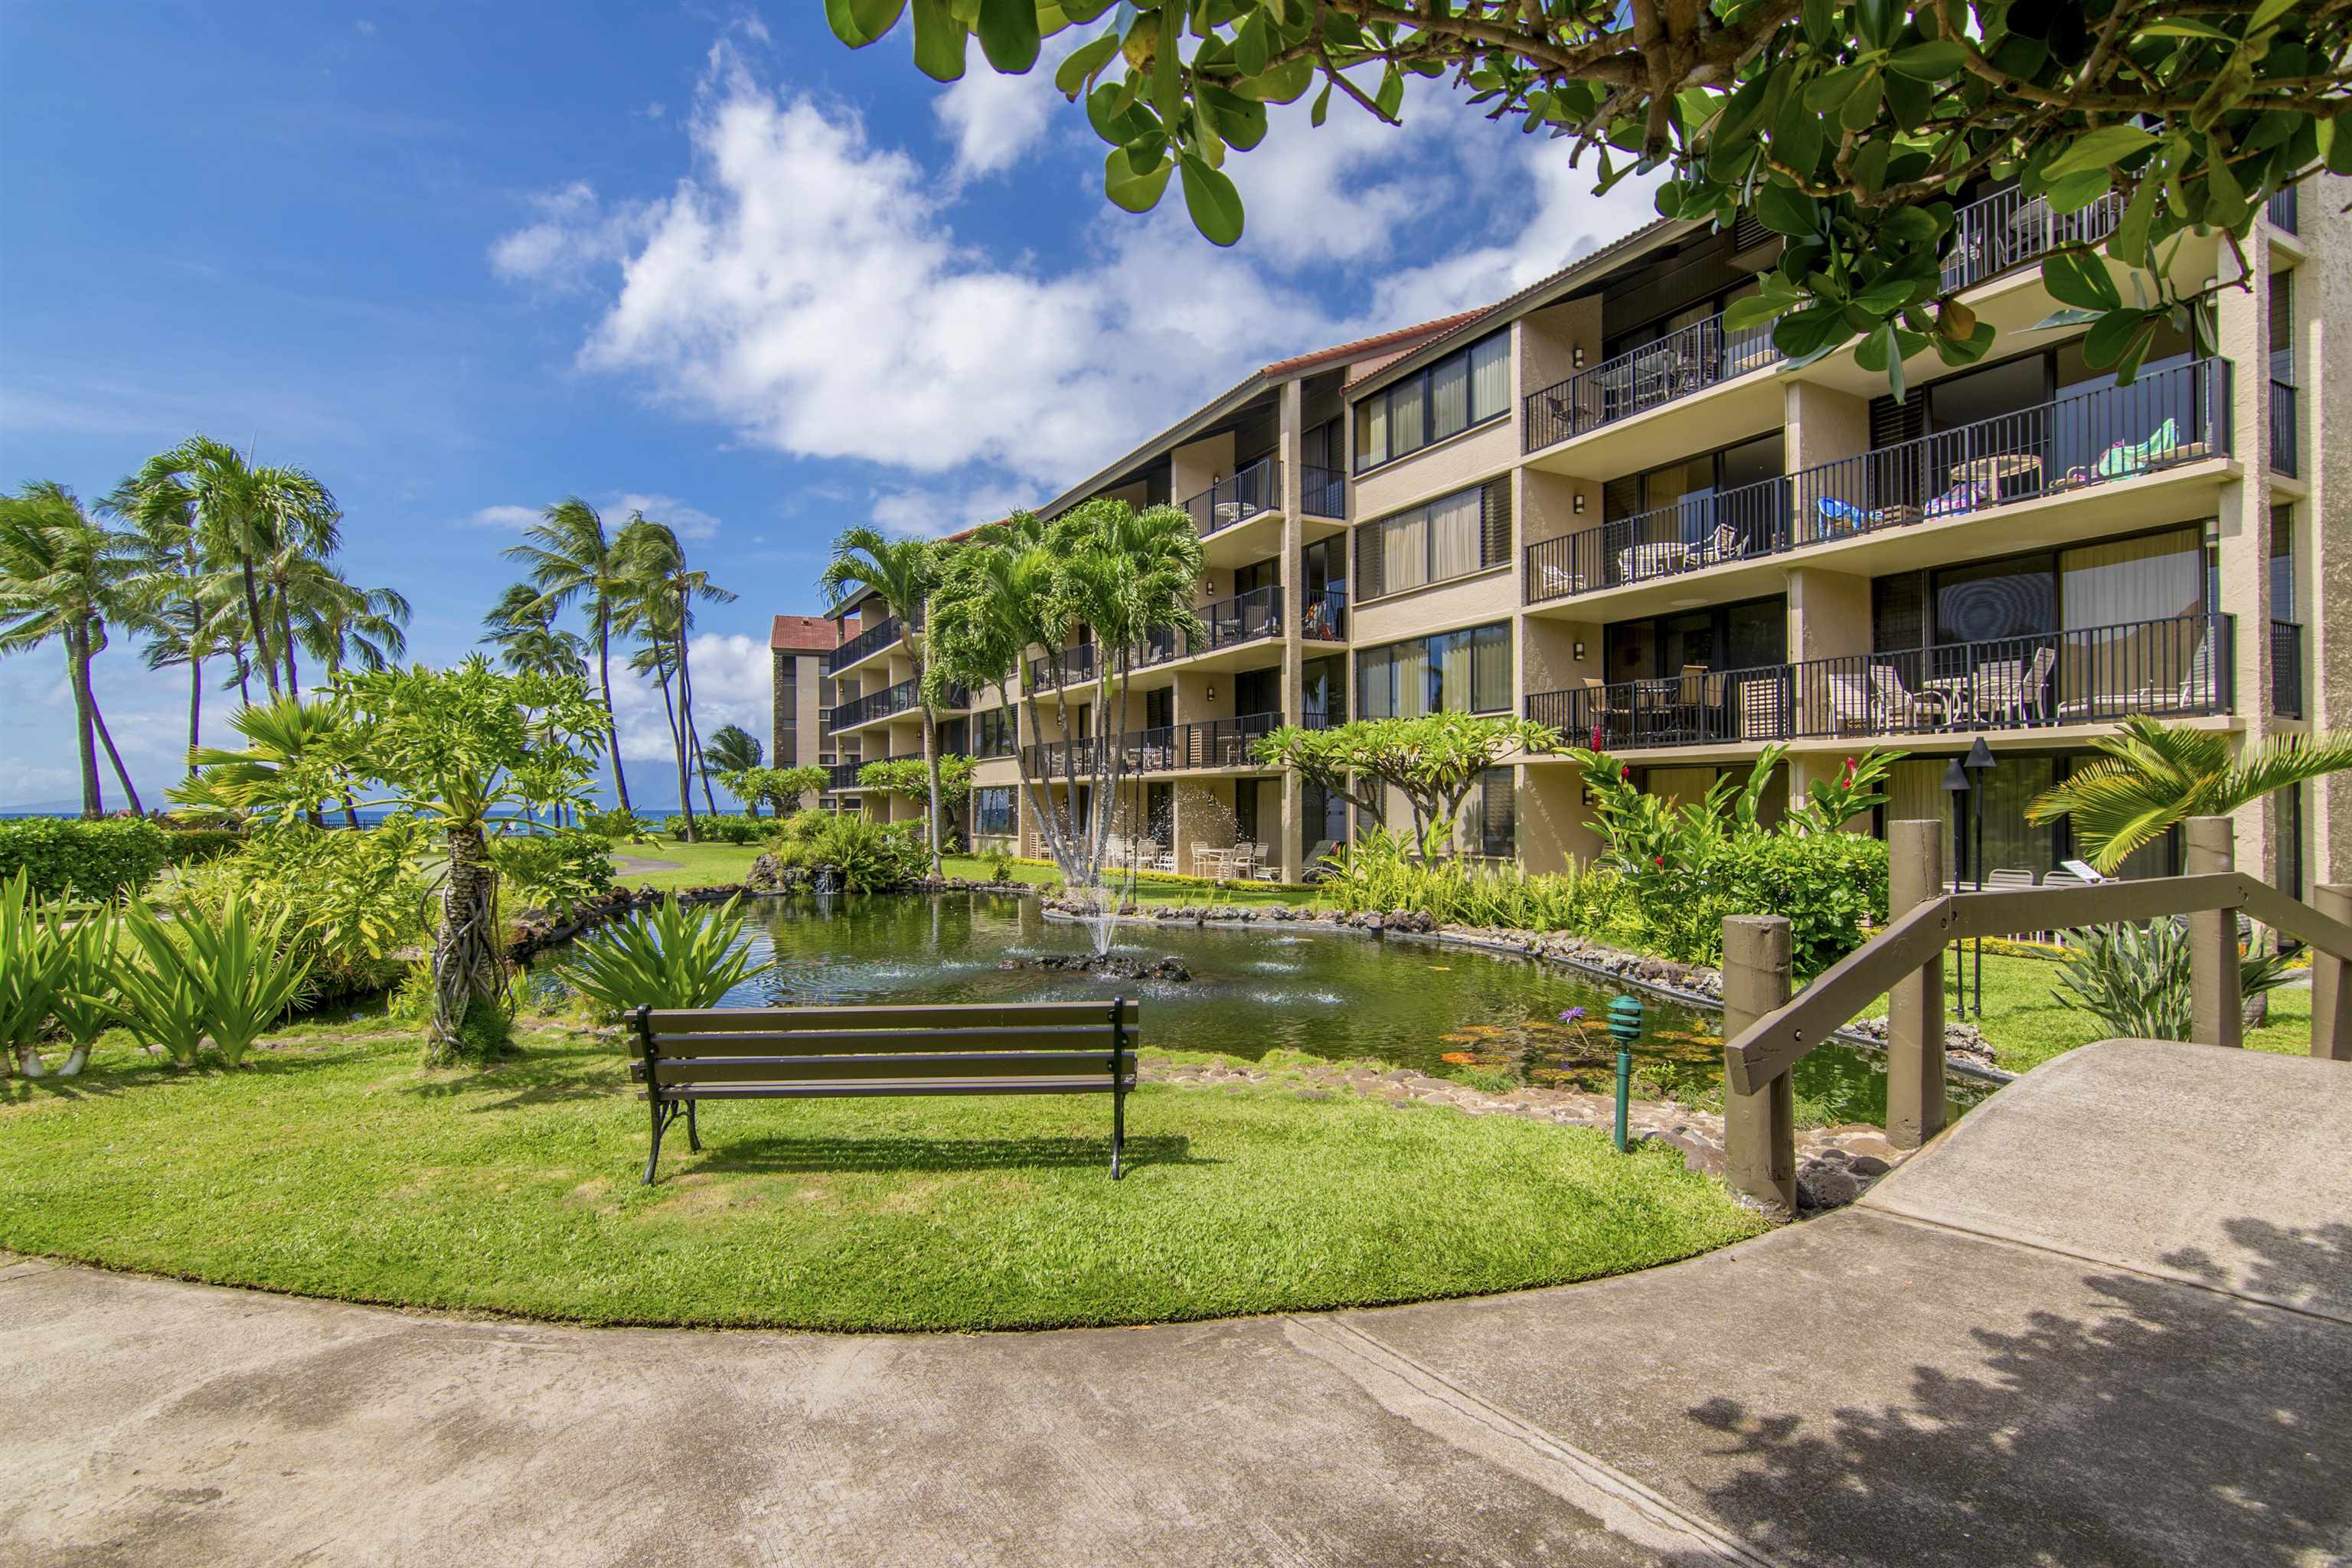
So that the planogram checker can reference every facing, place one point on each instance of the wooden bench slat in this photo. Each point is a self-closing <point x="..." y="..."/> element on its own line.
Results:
<point x="1095" y="1083"/>
<point x="946" y="1064"/>
<point x="819" y="1042"/>
<point x="938" y="1016"/>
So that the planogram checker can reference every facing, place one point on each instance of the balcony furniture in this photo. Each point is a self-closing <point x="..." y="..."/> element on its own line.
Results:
<point x="1557" y="582"/>
<point x="1209" y="865"/>
<point x="1762" y="716"/>
<point x="1927" y="709"/>
<point x="2197" y="690"/>
<point x="1853" y="705"/>
<point x="1987" y="473"/>
<point x="1965" y="496"/>
<point x="686" y="1056"/>
<point x="1317" y="623"/>
<point x="1636" y="561"/>
<point x="1840" y="517"/>
<point x="2014" y="689"/>
<point x="2124" y="459"/>
<point x="1240" y="863"/>
<point x="1315" y="870"/>
<point x="1165" y="862"/>
<point x="1728" y="542"/>
<point x="2008" y="880"/>
<point x="1268" y="869"/>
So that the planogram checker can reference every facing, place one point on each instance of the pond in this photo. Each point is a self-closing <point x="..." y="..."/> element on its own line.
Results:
<point x="1440" y="1008"/>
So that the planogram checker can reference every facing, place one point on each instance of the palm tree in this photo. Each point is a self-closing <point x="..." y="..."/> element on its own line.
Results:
<point x="337" y="621"/>
<point x="177" y="608"/>
<point x="61" y="575"/>
<point x="994" y="602"/>
<point x="246" y="514"/>
<point x="2155" y="776"/>
<point x="732" y="753"/>
<point x="666" y="589"/>
<point x="570" y="557"/>
<point x="298" y="755"/>
<point x="523" y="629"/>
<point x="658" y="659"/>
<point x="903" y="574"/>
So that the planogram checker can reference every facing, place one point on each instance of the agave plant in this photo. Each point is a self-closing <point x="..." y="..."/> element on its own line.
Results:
<point x="2135" y="979"/>
<point x="158" y="998"/>
<point x="226" y="973"/>
<point x="664" y="957"/>
<point x="33" y="961"/>
<point x="84" y="1006"/>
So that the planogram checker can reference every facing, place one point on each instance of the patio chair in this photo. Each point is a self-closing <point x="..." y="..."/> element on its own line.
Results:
<point x="1853" y="707"/>
<point x="2011" y="689"/>
<point x="1727" y="543"/>
<point x="2008" y="879"/>
<point x="1315" y="870"/>
<point x="1240" y="863"/>
<point x="1907" y="709"/>
<point x="1965" y="496"/>
<point x="1269" y="866"/>
<point x="2125" y="457"/>
<point x="1557" y="582"/>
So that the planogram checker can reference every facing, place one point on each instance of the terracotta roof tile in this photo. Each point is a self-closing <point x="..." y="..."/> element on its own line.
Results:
<point x="802" y="634"/>
<point x="1363" y="346"/>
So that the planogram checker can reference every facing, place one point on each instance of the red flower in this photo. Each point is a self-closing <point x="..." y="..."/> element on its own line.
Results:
<point x="1662" y="860"/>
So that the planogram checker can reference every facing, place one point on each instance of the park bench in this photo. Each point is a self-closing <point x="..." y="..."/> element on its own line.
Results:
<point x="686" y="1056"/>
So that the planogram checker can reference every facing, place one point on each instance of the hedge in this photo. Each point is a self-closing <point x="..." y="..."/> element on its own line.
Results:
<point x="91" y="860"/>
<point x="194" y="845"/>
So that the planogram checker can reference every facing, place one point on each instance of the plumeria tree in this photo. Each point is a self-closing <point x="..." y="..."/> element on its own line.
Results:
<point x="908" y="775"/>
<point x="1432" y="761"/>
<point x="1848" y="130"/>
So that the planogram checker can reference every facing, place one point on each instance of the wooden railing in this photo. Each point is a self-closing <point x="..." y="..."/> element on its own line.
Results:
<point x="1766" y="1032"/>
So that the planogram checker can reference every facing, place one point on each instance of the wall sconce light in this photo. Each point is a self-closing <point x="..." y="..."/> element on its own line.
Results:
<point x="1577" y="503"/>
<point x="1579" y="650"/>
<point x="1212" y="694"/>
<point x="1576" y="357"/>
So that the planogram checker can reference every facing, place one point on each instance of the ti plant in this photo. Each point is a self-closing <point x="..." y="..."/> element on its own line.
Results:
<point x="667" y="956"/>
<point x="224" y="975"/>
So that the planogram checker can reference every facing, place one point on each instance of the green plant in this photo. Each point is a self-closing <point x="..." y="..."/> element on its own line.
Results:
<point x="1433" y="761"/>
<point x="239" y="971"/>
<point x="871" y="856"/>
<point x="2135" y="979"/>
<point x="618" y="825"/>
<point x="559" y="870"/>
<point x="100" y="859"/>
<point x="194" y="845"/>
<point x="61" y="576"/>
<point x="33" y="964"/>
<point x="2155" y="776"/>
<point x="667" y="956"/>
<point x="84" y="1005"/>
<point x="349" y="900"/>
<point x="569" y="556"/>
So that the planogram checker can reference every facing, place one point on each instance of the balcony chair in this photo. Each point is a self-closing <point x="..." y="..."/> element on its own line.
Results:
<point x="1964" y="497"/>
<point x="1637" y="562"/>
<point x="1854" y="705"/>
<point x="1727" y="543"/>
<point x="1240" y="863"/>
<point x="2015" y="689"/>
<point x="1905" y="709"/>
<point x="1270" y="869"/>
<point x="1557" y="582"/>
<point x="2126" y="458"/>
<point x="2007" y="880"/>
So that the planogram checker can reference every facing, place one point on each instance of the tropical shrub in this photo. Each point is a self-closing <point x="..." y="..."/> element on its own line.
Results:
<point x="1433" y="761"/>
<point x="871" y="856"/>
<point x="228" y="974"/>
<point x="1831" y="886"/>
<point x="618" y="825"/>
<point x="84" y="1005"/>
<point x="102" y="860"/>
<point x="1384" y="869"/>
<point x="31" y="968"/>
<point x="708" y="829"/>
<point x="667" y="956"/>
<point x="194" y="845"/>
<point x="2135" y="979"/>
<point x="348" y="900"/>
<point x="559" y="870"/>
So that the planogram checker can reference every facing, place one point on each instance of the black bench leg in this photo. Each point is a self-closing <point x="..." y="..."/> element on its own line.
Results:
<point x="663" y="1115"/>
<point x="1118" y="1129"/>
<point x="693" y="1133"/>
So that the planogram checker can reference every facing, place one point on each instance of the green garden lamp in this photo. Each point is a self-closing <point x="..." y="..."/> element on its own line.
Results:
<point x="1625" y="1027"/>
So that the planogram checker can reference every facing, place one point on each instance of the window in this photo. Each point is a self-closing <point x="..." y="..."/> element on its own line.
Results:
<point x="1450" y="537"/>
<point x="1466" y="388"/>
<point x="1494" y="818"/>
<point x="992" y="811"/>
<point x="2281" y="562"/>
<point x="1466" y="671"/>
<point x="1325" y="680"/>
<point x="992" y="733"/>
<point x="786" y="742"/>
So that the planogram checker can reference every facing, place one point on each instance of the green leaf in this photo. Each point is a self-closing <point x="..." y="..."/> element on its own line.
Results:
<point x="1877" y="20"/>
<point x="1784" y="209"/>
<point x="1873" y="352"/>
<point x="1072" y="74"/>
<point x="1797" y="136"/>
<point x="1283" y="84"/>
<point x="1745" y="111"/>
<point x="1964" y="351"/>
<point x="2110" y="335"/>
<point x="1821" y="23"/>
<point x="1870" y="165"/>
<point x="1136" y="190"/>
<point x="1250" y="47"/>
<point x="2097" y="149"/>
<point x="2269" y="11"/>
<point x="1753" y="310"/>
<point x="1008" y="33"/>
<point x="1210" y="198"/>
<point x="2078" y="277"/>
<point x="2072" y="316"/>
<point x="1861" y="106"/>
<point x="1931" y="61"/>
<point x="2225" y="198"/>
<point x="1889" y="295"/>
<point x="858" y="23"/>
<point x="1239" y="120"/>
<point x="2179" y="28"/>
<point x="1389" y="96"/>
<point x="2135" y="351"/>
<point x="2073" y="193"/>
<point x="1803" y="333"/>
<point x="1828" y="92"/>
<point x="2128" y="244"/>
<point x="1321" y="107"/>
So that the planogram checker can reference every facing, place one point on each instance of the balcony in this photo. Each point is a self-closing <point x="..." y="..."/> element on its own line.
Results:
<point x="1322" y="492"/>
<point x="2165" y="418"/>
<point x="890" y="702"/>
<point x="1325" y="617"/>
<point x="2286" y="668"/>
<point x="1077" y="663"/>
<point x="2177" y="668"/>
<point x="1677" y="365"/>
<point x="2281" y="209"/>
<point x="864" y="645"/>
<point x="842" y="776"/>
<point x="2006" y="230"/>
<point x="1216" y="744"/>
<point x="2285" y="451"/>
<point x="1254" y="489"/>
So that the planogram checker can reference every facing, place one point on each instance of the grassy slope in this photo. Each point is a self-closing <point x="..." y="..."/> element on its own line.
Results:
<point x="341" y="1169"/>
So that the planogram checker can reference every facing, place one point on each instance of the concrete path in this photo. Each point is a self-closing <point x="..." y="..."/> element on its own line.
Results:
<point x="1935" y="1376"/>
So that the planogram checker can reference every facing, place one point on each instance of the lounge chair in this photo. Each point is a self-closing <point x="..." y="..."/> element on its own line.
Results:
<point x="1965" y="496"/>
<point x="1853" y="705"/>
<point x="1905" y="709"/>
<point x="2014" y="689"/>
<point x="1315" y="870"/>
<point x="1727" y="543"/>
<point x="1557" y="582"/>
<point x="1637" y="562"/>
<point x="2125" y="458"/>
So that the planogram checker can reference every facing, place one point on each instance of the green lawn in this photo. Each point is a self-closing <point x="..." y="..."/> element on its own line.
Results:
<point x="341" y="1169"/>
<point x="699" y="865"/>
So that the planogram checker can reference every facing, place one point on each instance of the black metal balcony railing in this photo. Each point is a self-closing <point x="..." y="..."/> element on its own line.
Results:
<point x="1245" y="617"/>
<point x="2285" y="451"/>
<point x="842" y="775"/>
<point x="1322" y="492"/>
<point x="1254" y="489"/>
<point x="2286" y="668"/>
<point x="2174" y="667"/>
<point x="892" y="701"/>
<point x="2281" y="209"/>
<point x="1325" y="617"/>
<point x="1216" y="743"/>
<point x="870" y="641"/>
<point x="1677" y="365"/>
<point x="2169" y="417"/>
<point x="1077" y="663"/>
<point x="2007" y="230"/>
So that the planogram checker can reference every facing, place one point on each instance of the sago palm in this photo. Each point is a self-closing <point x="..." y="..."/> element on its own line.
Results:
<point x="61" y="575"/>
<point x="297" y="756"/>
<point x="2155" y="776"/>
<point x="903" y="574"/>
<point x="571" y="557"/>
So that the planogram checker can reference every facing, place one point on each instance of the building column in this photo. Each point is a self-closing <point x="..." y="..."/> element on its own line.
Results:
<point x="2324" y="370"/>
<point x="2243" y="524"/>
<point x="1290" y="814"/>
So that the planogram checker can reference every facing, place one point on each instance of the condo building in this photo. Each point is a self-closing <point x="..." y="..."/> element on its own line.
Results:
<point x="800" y="726"/>
<point x="1592" y="504"/>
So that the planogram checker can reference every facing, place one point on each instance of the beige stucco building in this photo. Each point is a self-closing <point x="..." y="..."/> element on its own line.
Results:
<point x="1593" y="505"/>
<point x="800" y="698"/>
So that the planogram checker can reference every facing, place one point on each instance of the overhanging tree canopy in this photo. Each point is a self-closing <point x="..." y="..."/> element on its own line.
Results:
<point x="1850" y="129"/>
<point x="1433" y="761"/>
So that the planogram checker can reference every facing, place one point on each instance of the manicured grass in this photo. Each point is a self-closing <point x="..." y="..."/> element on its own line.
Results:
<point x="343" y="1170"/>
<point x="700" y="865"/>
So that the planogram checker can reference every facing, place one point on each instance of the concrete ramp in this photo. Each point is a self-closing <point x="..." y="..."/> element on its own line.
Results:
<point x="2228" y="1169"/>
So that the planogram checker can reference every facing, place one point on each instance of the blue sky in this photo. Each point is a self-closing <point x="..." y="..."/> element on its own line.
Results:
<point x="461" y="261"/>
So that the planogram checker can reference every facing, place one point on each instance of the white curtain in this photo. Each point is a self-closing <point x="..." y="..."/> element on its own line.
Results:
<point x="1454" y="527"/>
<point x="1449" y="398"/>
<point x="1372" y="431"/>
<point x="1493" y="654"/>
<point x="1412" y="680"/>
<point x="1404" y="552"/>
<point x="1490" y="376"/>
<point x="1405" y="428"/>
<point x="1455" y="694"/>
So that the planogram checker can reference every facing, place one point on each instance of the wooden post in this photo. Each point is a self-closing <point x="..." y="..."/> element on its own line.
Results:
<point x="2331" y="982"/>
<point x="1759" y="1130"/>
<point x="2217" y="1010"/>
<point x="1915" y="1015"/>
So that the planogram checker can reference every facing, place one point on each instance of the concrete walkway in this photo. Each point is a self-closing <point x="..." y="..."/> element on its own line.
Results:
<point x="2108" y="1319"/>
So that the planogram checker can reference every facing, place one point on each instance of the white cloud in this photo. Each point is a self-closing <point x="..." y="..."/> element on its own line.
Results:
<point x="937" y="510"/>
<point x="685" y="521"/>
<point x="653" y="111"/>
<point x="366" y="27"/>
<point x="996" y="119"/>
<point x="731" y="686"/>
<point x="806" y="285"/>
<point x="516" y="518"/>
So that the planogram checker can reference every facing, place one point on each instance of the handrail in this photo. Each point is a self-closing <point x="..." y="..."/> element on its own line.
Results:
<point x="870" y="641"/>
<point x="1776" y="1042"/>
